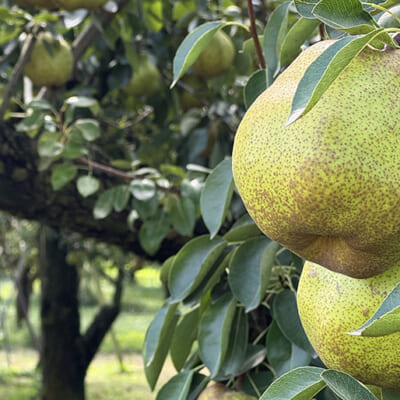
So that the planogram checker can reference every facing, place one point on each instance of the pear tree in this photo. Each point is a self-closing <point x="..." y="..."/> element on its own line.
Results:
<point x="288" y="154"/>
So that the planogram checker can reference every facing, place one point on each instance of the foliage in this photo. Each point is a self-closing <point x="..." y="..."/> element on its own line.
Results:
<point x="167" y="169"/>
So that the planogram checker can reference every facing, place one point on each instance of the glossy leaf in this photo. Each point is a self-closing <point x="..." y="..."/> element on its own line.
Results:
<point x="305" y="7"/>
<point x="62" y="174"/>
<point x="285" y="313"/>
<point x="143" y="189"/>
<point x="345" y="386"/>
<point x="217" y="195"/>
<point x="184" y="337"/>
<point x="146" y="208"/>
<point x="104" y="204"/>
<point x="49" y="144"/>
<point x="386" y="319"/>
<point x="177" y="388"/>
<point x="194" y="44"/>
<point x="238" y="340"/>
<point x="244" y="228"/>
<point x="256" y="84"/>
<point x="121" y="197"/>
<point x="274" y="34"/>
<point x="297" y="35"/>
<point x="346" y="15"/>
<point x="89" y="128"/>
<point x="152" y="233"/>
<point x="192" y="263"/>
<point x="87" y="185"/>
<point x="250" y="269"/>
<point x="157" y="341"/>
<point x="284" y="355"/>
<point x="324" y="70"/>
<point x="183" y="216"/>
<point x="302" y="383"/>
<point x="215" y="326"/>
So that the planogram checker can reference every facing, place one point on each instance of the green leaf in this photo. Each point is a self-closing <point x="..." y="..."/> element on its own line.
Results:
<point x="183" y="216"/>
<point x="62" y="174"/>
<point x="89" y="128"/>
<point x="345" y="15"/>
<point x="386" y="319"/>
<point x="297" y="35"/>
<point x="238" y="340"/>
<point x="49" y="145"/>
<point x="82" y="102"/>
<point x="157" y="341"/>
<point x="284" y="309"/>
<point x="305" y="7"/>
<point x="194" y="44"/>
<point x="284" y="355"/>
<point x="256" y="84"/>
<point x="345" y="386"/>
<point x="153" y="14"/>
<point x="274" y="33"/>
<point x="121" y="197"/>
<point x="104" y="204"/>
<point x="388" y="394"/>
<point x="152" y="233"/>
<point x="244" y="228"/>
<point x="302" y="383"/>
<point x="184" y="337"/>
<point x="217" y="195"/>
<point x="324" y="70"/>
<point x="192" y="263"/>
<point x="146" y="208"/>
<point x="250" y="270"/>
<point x="143" y="189"/>
<point x="87" y="185"/>
<point x="177" y="388"/>
<point x="215" y="326"/>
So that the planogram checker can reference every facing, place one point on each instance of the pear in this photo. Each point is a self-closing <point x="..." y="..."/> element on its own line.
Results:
<point x="214" y="391"/>
<point x="331" y="305"/>
<point x="51" y="62"/>
<point x="218" y="391"/>
<point x="327" y="186"/>
<point x="217" y="57"/>
<point x="146" y="78"/>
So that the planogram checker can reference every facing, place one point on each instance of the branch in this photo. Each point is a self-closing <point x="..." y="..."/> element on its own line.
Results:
<point x="102" y="322"/>
<point x="91" y="32"/>
<point x="18" y="70"/>
<point x="253" y="30"/>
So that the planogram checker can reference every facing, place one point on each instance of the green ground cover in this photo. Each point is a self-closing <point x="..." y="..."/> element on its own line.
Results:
<point x="19" y="379"/>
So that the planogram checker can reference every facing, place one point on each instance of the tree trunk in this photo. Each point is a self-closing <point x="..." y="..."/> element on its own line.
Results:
<point x="62" y="361"/>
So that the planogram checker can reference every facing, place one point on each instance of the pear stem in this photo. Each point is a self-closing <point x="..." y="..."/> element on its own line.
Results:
<point x="253" y="31"/>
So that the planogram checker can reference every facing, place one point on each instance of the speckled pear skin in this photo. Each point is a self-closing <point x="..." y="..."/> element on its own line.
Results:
<point x="327" y="186"/>
<point x="214" y="391"/>
<point x="331" y="304"/>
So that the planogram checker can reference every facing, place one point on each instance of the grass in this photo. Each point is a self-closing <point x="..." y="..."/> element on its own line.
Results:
<point x="20" y="381"/>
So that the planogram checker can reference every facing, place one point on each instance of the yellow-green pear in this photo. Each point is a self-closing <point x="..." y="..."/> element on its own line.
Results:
<point x="76" y="4"/>
<point x="331" y="305"/>
<point x="237" y="396"/>
<point x="51" y="62"/>
<point x="217" y="57"/>
<point x="146" y="78"/>
<point x="215" y="391"/>
<point x="327" y="185"/>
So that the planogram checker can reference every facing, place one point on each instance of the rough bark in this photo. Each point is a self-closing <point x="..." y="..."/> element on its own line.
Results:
<point x="26" y="193"/>
<point x="65" y="352"/>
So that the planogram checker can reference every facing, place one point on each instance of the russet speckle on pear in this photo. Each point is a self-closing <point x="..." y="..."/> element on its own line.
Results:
<point x="327" y="185"/>
<point x="331" y="305"/>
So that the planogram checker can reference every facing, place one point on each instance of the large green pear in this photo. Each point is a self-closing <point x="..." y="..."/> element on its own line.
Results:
<point x="217" y="57"/>
<point x="331" y="305"/>
<point x="327" y="185"/>
<point x="146" y="78"/>
<point x="51" y="62"/>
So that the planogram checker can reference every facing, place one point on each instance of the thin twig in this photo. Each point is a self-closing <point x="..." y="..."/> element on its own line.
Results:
<point x="18" y="70"/>
<point x="105" y="168"/>
<point x="253" y="30"/>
